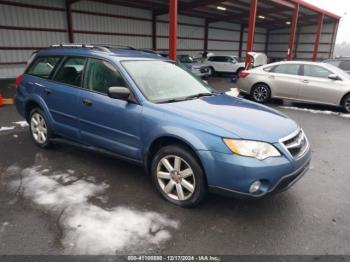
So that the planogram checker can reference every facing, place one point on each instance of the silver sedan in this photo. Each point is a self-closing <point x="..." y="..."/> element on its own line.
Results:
<point x="302" y="81"/>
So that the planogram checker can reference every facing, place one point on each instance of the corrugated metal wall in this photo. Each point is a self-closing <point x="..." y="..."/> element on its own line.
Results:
<point x="27" y="30"/>
<point x="34" y="24"/>
<point x="304" y="43"/>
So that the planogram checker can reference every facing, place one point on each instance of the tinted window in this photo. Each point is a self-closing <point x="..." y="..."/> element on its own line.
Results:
<point x="101" y="75"/>
<point x="316" y="71"/>
<point x="345" y="65"/>
<point x="43" y="66"/>
<point x="291" y="69"/>
<point x="71" y="71"/>
<point x="218" y="59"/>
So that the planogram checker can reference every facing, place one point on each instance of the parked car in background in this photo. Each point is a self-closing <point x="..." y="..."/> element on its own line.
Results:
<point x="225" y="64"/>
<point x="194" y="65"/>
<point x="154" y="113"/>
<point x="303" y="81"/>
<point x="341" y="62"/>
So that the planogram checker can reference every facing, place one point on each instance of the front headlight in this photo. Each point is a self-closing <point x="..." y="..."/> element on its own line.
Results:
<point x="256" y="149"/>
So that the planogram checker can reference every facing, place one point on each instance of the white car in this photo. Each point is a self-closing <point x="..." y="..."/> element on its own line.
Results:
<point x="297" y="80"/>
<point x="225" y="64"/>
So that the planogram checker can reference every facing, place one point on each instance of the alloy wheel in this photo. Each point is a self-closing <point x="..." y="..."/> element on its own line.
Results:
<point x="175" y="177"/>
<point x="347" y="104"/>
<point x="39" y="128"/>
<point x="260" y="93"/>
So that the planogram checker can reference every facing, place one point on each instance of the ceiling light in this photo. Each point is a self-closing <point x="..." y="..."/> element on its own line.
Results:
<point x="288" y="22"/>
<point x="261" y="16"/>
<point x="221" y="8"/>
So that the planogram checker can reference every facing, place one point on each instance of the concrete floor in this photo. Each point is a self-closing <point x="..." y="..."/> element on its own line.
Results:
<point x="313" y="217"/>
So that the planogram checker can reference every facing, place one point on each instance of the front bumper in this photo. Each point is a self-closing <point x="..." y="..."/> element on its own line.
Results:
<point x="282" y="185"/>
<point x="231" y="174"/>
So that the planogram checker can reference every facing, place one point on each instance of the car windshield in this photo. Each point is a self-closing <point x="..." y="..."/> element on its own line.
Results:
<point x="338" y="71"/>
<point x="163" y="81"/>
<point x="185" y="59"/>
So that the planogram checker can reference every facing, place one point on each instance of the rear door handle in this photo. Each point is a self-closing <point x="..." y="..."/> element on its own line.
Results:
<point x="305" y="81"/>
<point x="87" y="102"/>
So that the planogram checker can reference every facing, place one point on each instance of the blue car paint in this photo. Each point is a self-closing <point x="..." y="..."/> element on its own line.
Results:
<point x="129" y="129"/>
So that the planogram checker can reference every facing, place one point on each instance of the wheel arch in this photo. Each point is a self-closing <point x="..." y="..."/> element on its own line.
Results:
<point x="167" y="140"/>
<point x="342" y="99"/>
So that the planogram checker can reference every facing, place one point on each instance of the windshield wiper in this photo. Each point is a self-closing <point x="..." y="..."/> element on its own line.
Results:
<point x="199" y="95"/>
<point x="172" y="100"/>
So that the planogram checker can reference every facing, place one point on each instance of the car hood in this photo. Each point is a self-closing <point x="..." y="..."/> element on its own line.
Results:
<point x="242" y="118"/>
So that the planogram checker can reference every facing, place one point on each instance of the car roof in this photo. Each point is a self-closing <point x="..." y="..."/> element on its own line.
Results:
<point x="295" y="62"/>
<point x="114" y="53"/>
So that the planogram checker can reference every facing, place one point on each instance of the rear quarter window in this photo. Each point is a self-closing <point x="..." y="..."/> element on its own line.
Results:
<point x="43" y="66"/>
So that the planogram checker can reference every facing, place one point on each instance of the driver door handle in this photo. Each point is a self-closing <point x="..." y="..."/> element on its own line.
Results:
<point x="305" y="81"/>
<point x="87" y="102"/>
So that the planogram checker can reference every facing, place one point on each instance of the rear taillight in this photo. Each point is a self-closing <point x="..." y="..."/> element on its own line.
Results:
<point x="243" y="74"/>
<point x="19" y="80"/>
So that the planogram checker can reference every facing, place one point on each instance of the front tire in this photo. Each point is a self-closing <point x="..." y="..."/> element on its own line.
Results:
<point x="346" y="103"/>
<point x="261" y="93"/>
<point x="178" y="176"/>
<point x="39" y="129"/>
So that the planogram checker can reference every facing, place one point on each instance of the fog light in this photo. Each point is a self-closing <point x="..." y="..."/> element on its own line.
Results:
<point x="255" y="187"/>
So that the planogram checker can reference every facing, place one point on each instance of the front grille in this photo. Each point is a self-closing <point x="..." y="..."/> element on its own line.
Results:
<point x="297" y="144"/>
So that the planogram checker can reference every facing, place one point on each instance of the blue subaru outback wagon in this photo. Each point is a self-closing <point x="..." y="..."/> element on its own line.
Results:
<point x="155" y="113"/>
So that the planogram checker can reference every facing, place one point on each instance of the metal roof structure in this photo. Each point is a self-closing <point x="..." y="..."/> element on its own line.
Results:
<point x="270" y="13"/>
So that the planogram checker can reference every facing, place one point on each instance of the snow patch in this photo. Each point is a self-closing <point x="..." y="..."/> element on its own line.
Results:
<point x="6" y="128"/>
<point x="88" y="228"/>
<point x="233" y="92"/>
<point x="325" y="112"/>
<point x="21" y="123"/>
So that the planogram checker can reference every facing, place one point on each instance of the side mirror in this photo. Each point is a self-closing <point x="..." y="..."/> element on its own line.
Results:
<point x="334" y="77"/>
<point x="118" y="92"/>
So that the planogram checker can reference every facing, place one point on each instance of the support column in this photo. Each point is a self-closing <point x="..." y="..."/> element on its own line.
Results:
<point x="241" y="37"/>
<point x="173" y="7"/>
<point x="293" y="28"/>
<point x="251" y="29"/>
<point x="154" y="31"/>
<point x="318" y="36"/>
<point x="206" y="35"/>
<point x="267" y="40"/>
<point x="334" y="38"/>
<point x="69" y="21"/>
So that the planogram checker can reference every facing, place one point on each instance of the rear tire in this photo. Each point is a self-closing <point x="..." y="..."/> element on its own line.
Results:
<point x="346" y="103"/>
<point x="39" y="128"/>
<point x="178" y="176"/>
<point x="261" y="93"/>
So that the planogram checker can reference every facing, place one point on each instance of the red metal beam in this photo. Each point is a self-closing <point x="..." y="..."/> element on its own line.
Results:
<point x="69" y="21"/>
<point x="318" y="36"/>
<point x="154" y="31"/>
<point x="206" y="35"/>
<point x="293" y="29"/>
<point x="251" y="29"/>
<point x="173" y="6"/>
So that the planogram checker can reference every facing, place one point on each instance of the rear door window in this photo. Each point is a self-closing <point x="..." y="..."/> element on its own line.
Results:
<point x="316" y="71"/>
<point x="43" y="66"/>
<point x="102" y="75"/>
<point x="291" y="69"/>
<point x="71" y="71"/>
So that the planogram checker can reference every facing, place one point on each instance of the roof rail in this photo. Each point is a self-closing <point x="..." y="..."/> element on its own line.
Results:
<point x="115" y="46"/>
<point x="97" y="47"/>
